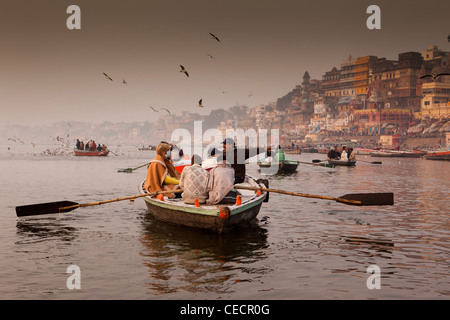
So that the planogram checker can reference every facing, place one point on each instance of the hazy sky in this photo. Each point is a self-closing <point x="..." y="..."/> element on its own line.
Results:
<point x="50" y="73"/>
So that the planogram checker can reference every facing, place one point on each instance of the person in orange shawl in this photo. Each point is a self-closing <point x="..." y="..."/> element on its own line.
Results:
<point x="161" y="174"/>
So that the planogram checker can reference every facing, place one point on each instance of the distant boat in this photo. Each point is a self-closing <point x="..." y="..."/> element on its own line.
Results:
<point x="398" y="153"/>
<point x="147" y="148"/>
<point x="309" y="150"/>
<point x="89" y="153"/>
<point x="286" y="166"/>
<point x="438" y="155"/>
<point x="364" y="151"/>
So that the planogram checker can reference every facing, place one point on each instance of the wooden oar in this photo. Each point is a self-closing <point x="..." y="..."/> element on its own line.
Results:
<point x="372" y="162"/>
<point x="319" y="164"/>
<point x="66" y="206"/>
<point x="132" y="169"/>
<point x="357" y="199"/>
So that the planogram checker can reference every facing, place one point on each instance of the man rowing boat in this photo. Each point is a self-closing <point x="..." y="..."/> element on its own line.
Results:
<point x="236" y="158"/>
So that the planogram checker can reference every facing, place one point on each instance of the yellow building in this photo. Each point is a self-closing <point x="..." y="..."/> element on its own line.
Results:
<point x="436" y="99"/>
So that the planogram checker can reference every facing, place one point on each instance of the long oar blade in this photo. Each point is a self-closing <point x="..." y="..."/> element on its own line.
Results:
<point x="44" y="208"/>
<point x="371" y="199"/>
<point x="357" y="199"/>
<point x="66" y="206"/>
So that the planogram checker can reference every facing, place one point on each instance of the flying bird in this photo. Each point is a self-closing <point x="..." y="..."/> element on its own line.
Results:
<point x="166" y="110"/>
<point x="107" y="77"/>
<point x="434" y="76"/>
<point x="250" y="94"/>
<point x="214" y="37"/>
<point x="124" y="82"/>
<point x="210" y="56"/>
<point x="184" y="70"/>
<point x="200" y="103"/>
<point x="153" y="109"/>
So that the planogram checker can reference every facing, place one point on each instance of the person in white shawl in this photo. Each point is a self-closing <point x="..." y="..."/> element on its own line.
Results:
<point x="344" y="154"/>
<point x="220" y="182"/>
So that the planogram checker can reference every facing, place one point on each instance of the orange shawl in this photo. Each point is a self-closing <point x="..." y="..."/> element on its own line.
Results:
<point x="157" y="171"/>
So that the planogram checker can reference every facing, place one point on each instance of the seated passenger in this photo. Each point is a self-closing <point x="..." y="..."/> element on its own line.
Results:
<point x="211" y="161"/>
<point x="194" y="180"/>
<point x="280" y="157"/>
<point x="220" y="182"/>
<point x="352" y="156"/>
<point x="344" y="154"/>
<point x="161" y="174"/>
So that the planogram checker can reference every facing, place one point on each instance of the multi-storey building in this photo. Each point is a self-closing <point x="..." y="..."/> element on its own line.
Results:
<point x="396" y="81"/>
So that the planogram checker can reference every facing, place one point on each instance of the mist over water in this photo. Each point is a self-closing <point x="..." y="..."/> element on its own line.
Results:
<point x="298" y="248"/>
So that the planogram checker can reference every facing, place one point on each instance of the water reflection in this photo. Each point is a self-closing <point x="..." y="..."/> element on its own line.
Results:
<point x="184" y="259"/>
<point x="38" y="230"/>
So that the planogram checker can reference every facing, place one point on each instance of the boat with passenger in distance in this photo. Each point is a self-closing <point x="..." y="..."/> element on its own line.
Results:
<point x="91" y="153"/>
<point x="219" y="218"/>
<point x="286" y="166"/>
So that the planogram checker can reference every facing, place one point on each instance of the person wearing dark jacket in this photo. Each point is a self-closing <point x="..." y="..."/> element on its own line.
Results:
<point x="236" y="158"/>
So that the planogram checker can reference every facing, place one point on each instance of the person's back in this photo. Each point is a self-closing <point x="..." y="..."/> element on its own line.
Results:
<point x="280" y="155"/>
<point x="194" y="180"/>
<point x="220" y="182"/>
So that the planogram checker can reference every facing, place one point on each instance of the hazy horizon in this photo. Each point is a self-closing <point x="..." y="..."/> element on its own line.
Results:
<point x="50" y="73"/>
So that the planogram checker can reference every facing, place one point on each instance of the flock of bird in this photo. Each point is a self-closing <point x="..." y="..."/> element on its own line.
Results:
<point x="182" y="70"/>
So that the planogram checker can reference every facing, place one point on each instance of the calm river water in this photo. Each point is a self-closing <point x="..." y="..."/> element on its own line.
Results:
<point x="299" y="248"/>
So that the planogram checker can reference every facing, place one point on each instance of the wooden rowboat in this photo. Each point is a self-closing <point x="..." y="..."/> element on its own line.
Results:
<point x="286" y="166"/>
<point x="89" y="153"/>
<point x="398" y="153"/>
<point x="347" y="163"/>
<point x="218" y="218"/>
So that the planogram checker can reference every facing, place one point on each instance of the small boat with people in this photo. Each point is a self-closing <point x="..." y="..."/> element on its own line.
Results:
<point x="285" y="166"/>
<point x="91" y="153"/>
<point x="219" y="218"/>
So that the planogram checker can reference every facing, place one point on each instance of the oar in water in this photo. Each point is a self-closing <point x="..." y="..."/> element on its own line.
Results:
<point x="357" y="199"/>
<point x="66" y="206"/>
<point x="319" y="164"/>
<point x="132" y="169"/>
<point x="372" y="162"/>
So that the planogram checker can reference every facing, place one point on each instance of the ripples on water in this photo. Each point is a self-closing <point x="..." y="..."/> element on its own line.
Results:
<point x="298" y="248"/>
